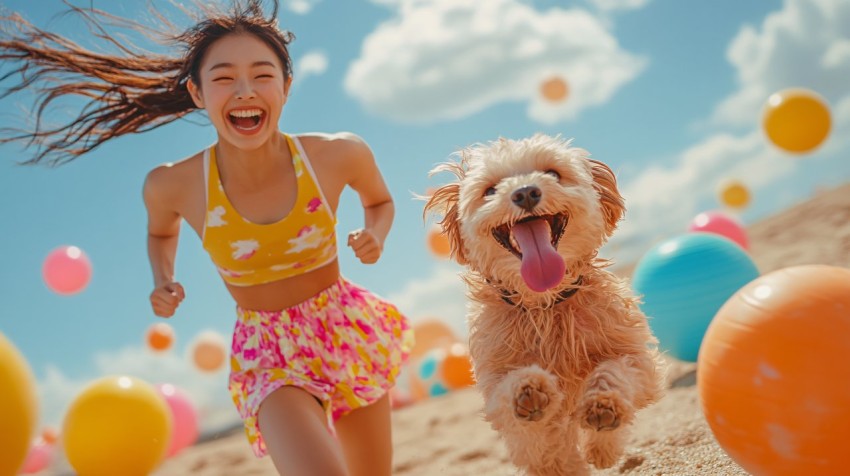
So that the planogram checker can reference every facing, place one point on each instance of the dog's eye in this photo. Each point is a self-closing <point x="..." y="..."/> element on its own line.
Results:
<point x="489" y="191"/>
<point x="554" y="173"/>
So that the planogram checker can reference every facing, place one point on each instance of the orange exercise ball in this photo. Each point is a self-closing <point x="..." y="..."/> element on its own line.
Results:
<point x="160" y="337"/>
<point x="796" y="120"/>
<point x="772" y="372"/>
<point x="457" y="367"/>
<point x="554" y="89"/>
<point x="116" y="425"/>
<point x="438" y="242"/>
<point x="18" y="407"/>
<point x="734" y="194"/>
<point x="430" y="333"/>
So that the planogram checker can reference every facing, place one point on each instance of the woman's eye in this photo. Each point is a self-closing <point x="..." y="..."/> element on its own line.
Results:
<point x="263" y="76"/>
<point x="489" y="191"/>
<point x="223" y="78"/>
<point x="554" y="173"/>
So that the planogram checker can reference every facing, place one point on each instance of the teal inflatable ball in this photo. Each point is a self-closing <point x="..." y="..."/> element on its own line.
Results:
<point x="684" y="281"/>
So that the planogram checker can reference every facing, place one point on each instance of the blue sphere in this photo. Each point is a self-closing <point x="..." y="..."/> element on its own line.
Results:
<point x="684" y="281"/>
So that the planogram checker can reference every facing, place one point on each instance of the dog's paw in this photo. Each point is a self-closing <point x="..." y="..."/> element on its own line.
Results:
<point x="602" y="457"/>
<point x="529" y="403"/>
<point x="604" y="411"/>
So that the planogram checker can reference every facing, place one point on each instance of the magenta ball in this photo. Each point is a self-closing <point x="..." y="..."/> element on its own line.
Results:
<point x="184" y="431"/>
<point x="721" y="224"/>
<point x="66" y="270"/>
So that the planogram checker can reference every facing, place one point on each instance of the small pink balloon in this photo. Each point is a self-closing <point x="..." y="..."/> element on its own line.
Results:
<point x="39" y="457"/>
<point x="184" y="428"/>
<point x="66" y="270"/>
<point x="721" y="224"/>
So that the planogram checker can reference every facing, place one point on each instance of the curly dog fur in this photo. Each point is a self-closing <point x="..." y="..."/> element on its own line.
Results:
<point x="564" y="369"/>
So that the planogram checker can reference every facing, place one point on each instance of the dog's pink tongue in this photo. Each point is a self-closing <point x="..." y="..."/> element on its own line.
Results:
<point x="542" y="267"/>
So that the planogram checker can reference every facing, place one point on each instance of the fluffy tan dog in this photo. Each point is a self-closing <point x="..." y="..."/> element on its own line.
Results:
<point x="561" y="352"/>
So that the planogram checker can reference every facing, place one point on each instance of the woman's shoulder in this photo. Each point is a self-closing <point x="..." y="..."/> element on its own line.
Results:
<point x="337" y="145"/>
<point x="173" y="177"/>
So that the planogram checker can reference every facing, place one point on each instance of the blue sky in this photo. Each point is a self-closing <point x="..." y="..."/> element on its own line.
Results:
<point x="668" y="93"/>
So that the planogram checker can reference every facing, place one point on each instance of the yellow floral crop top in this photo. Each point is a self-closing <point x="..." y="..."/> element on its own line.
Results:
<point x="248" y="253"/>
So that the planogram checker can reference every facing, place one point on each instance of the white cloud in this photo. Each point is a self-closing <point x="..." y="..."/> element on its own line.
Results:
<point x="312" y="63"/>
<point x="302" y="7"/>
<point x="612" y="5"/>
<point x="447" y="59"/>
<point x="208" y="391"/>
<point x="442" y="295"/>
<point x="806" y="44"/>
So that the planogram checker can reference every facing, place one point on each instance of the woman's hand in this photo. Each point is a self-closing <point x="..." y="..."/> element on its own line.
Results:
<point x="366" y="246"/>
<point x="166" y="297"/>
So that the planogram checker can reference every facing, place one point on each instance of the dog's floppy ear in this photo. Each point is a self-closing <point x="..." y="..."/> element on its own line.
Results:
<point x="605" y="184"/>
<point x="444" y="201"/>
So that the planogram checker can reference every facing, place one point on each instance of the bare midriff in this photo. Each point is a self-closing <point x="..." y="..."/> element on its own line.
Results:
<point x="285" y="293"/>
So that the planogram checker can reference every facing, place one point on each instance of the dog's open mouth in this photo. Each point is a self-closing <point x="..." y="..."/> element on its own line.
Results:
<point x="534" y="240"/>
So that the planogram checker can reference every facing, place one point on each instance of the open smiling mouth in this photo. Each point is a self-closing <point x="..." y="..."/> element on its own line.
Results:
<point x="506" y="236"/>
<point x="246" y="120"/>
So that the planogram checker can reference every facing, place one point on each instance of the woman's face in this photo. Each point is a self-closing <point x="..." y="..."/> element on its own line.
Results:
<point x="243" y="89"/>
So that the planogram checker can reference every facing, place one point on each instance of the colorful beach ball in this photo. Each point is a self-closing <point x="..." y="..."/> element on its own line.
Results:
<point x="734" y="194"/>
<point x="429" y="373"/>
<point x="773" y="374"/>
<point x="18" y="410"/>
<point x="683" y="281"/>
<point x="438" y="242"/>
<point x="209" y="351"/>
<point x="554" y="89"/>
<point x="116" y="425"/>
<point x="796" y="120"/>
<point x="160" y="337"/>
<point x="184" y="418"/>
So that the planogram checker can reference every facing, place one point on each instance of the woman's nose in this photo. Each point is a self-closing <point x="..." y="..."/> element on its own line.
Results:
<point x="244" y="90"/>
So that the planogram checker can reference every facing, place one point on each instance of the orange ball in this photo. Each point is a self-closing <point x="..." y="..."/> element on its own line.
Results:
<point x="734" y="194"/>
<point x="772" y="372"/>
<point x="50" y="435"/>
<point x="554" y="89"/>
<point x="430" y="333"/>
<point x="209" y="352"/>
<point x="796" y="120"/>
<point x="438" y="242"/>
<point x="457" y="367"/>
<point x="160" y="336"/>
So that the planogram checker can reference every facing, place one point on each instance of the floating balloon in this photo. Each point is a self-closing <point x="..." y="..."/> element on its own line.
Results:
<point x="184" y="418"/>
<point x="684" y="281"/>
<point x="734" y="194"/>
<point x="116" y="425"/>
<point x="430" y="333"/>
<point x="209" y="352"/>
<point x="772" y="375"/>
<point x="721" y="224"/>
<point x="160" y="336"/>
<point x="554" y="89"/>
<point x="39" y="457"/>
<point x="17" y="407"/>
<point x="456" y="368"/>
<point x="438" y="242"/>
<point x="796" y="120"/>
<point x="67" y="270"/>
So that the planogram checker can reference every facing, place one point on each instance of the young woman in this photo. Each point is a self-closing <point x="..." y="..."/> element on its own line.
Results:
<point x="313" y="355"/>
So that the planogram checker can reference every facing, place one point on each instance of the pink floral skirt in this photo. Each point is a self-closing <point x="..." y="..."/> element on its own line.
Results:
<point x="345" y="346"/>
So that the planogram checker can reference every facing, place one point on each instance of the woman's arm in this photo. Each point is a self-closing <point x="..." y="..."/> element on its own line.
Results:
<point x="163" y="233"/>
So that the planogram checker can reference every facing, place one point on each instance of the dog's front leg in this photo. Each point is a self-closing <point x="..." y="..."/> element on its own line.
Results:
<point x="525" y="407"/>
<point x="613" y="391"/>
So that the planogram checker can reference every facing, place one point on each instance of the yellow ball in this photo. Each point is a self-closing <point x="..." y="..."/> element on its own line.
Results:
<point x="796" y="120"/>
<point x="117" y="425"/>
<point x="734" y="194"/>
<point x="18" y="407"/>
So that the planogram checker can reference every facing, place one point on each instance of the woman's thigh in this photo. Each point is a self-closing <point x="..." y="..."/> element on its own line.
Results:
<point x="366" y="437"/>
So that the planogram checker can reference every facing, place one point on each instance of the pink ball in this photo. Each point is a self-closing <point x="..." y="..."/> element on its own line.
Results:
<point x="184" y="428"/>
<point x="66" y="270"/>
<point x="721" y="224"/>
<point x="39" y="457"/>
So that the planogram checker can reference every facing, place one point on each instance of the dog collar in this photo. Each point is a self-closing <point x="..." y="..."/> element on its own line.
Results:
<point x="562" y="296"/>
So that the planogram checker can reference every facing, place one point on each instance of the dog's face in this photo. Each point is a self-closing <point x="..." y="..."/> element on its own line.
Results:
<point x="526" y="212"/>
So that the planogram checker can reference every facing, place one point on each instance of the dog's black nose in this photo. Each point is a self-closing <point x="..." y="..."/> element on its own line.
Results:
<point x="526" y="197"/>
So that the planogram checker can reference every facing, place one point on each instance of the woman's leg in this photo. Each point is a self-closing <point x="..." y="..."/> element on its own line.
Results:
<point x="366" y="436"/>
<point x="294" y="427"/>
